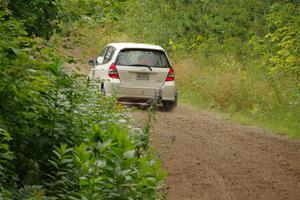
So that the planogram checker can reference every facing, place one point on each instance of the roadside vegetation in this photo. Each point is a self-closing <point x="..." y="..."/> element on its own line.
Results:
<point x="59" y="137"/>
<point x="237" y="57"/>
<point x="234" y="57"/>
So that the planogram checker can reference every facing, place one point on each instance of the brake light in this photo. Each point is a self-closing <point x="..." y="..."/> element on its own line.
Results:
<point x="171" y="75"/>
<point x="113" y="72"/>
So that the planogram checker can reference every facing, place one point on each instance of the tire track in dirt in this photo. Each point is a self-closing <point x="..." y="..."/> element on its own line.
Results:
<point x="209" y="158"/>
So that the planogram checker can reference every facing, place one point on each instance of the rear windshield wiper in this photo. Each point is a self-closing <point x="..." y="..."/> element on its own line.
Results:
<point x="142" y="65"/>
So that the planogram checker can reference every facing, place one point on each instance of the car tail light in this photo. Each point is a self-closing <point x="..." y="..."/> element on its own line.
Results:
<point x="171" y="75"/>
<point x="113" y="72"/>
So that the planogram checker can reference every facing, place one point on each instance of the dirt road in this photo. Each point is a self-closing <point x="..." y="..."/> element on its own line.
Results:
<point x="207" y="158"/>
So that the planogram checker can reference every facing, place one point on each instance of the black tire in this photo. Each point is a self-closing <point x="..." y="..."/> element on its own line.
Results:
<point x="170" y="105"/>
<point x="102" y="88"/>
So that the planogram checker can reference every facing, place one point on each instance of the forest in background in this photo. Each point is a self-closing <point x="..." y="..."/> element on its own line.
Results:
<point x="233" y="56"/>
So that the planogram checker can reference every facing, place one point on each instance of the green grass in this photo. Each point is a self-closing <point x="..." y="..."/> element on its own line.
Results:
<point x="276" y="122"/>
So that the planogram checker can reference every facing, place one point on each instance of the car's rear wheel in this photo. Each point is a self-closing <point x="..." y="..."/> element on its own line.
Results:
<point x="170" y="105"/>
<point x="102" y="89"/>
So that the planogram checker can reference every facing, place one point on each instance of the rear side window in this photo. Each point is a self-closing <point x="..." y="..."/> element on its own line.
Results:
<point x="109" y="55"/>
<point x="104" y="51"/>
<point x="140" y="57"/>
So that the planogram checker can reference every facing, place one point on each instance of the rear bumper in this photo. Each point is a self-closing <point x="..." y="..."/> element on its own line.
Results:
<point x="113" y="87"/>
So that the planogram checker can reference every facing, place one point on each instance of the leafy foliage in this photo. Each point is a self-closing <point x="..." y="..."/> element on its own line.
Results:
<point x="64" y="177"/>
<point x="33" y="192"/>
<point x="40" y="16"/>
<point x="43" y="17"/>
<point x="59" y="137"/>
<point x="7" y="174"/>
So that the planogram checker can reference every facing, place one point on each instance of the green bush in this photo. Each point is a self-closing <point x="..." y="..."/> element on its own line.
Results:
<point x="73" y="13"/>
<point x="59" y="137"/>
<point x="107" y="166"/>
<point x="43" y="18"/>
<point x="40" y="17"/>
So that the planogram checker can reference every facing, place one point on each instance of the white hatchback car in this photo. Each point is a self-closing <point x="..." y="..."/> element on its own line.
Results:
<point x="135" y="73"/>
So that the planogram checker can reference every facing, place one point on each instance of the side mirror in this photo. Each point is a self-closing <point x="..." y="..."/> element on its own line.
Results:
<point x="92" y="62"/>
<point x="100" y="60"/>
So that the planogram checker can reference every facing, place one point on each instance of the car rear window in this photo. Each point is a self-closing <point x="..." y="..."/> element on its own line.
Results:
<point x="140" y="57"/>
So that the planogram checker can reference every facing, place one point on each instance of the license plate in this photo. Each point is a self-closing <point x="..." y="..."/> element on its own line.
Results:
<point x="141" y="76"/>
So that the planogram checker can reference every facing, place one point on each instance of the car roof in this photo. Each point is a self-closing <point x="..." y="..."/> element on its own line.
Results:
<point x="120" y="46"/>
